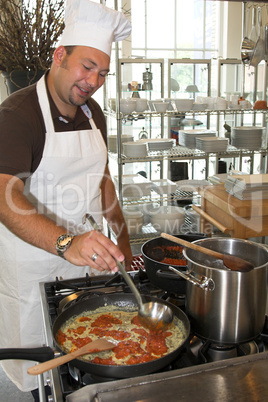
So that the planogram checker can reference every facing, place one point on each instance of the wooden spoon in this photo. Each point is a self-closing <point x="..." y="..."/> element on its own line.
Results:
<point x="230" y="261"/>
<point x="92" y="347"/>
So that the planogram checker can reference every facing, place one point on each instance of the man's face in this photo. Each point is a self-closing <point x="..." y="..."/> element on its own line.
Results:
<point x="80" y="74"/>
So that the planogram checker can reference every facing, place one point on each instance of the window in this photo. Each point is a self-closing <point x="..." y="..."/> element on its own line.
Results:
<point x="174" y="28"/>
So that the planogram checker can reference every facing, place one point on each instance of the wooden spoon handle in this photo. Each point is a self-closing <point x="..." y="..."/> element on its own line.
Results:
<point x="50" y="364"/>
<point x="192" y="246"/>
<point x="98" y="345"/>
<point x="208" y="218"/>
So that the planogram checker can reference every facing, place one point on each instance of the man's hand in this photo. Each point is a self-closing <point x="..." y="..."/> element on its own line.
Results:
<point x="94" y="244"/>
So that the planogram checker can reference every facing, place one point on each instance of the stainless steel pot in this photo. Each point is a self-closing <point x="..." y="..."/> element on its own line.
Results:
<point x="226" y="307"/>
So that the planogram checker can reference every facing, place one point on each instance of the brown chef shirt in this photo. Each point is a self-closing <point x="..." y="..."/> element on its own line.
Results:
<point x="22" y="130"/>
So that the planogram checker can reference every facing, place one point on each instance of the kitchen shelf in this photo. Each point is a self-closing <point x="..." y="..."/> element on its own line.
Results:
<point x="155" y="198"/>
<point x="171" y="113"/>
<point x="181" y="153"/>
<point x="124" y="123"/>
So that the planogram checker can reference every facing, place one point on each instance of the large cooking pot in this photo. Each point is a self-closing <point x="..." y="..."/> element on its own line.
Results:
<point x="122" y="301"/>
<point x="158" y="272"/>
<point x="226" y="307"/>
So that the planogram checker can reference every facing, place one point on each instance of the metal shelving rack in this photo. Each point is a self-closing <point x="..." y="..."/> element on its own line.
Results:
<point x="177" y="152"/>
<point x="121" y="63"/>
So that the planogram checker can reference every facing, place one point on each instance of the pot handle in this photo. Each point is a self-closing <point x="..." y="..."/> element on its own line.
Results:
<point x="203" y="283"/>
<point x="208" y="218"/>
<point x="41" y="354"/>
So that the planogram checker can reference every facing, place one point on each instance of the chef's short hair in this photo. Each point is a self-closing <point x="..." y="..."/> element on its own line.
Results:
<point x="69" y="49"/>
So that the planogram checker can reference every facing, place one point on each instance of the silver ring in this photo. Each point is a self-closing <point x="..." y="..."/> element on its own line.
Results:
<point x="94" y="257"/>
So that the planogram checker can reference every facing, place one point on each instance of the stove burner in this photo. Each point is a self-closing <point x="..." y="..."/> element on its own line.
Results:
<point x="207" y="351"/>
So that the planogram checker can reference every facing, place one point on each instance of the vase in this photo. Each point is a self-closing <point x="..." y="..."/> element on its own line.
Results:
<point x="16" y="80"/>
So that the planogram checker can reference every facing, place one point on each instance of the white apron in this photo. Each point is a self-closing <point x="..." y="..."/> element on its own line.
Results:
<point x="65" y="186"/>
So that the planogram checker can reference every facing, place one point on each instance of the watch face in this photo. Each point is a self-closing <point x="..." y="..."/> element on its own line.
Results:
<point x="63" y="242"/>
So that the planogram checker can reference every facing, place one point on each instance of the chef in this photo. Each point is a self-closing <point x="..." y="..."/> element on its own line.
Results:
<point x="54" y="171"/>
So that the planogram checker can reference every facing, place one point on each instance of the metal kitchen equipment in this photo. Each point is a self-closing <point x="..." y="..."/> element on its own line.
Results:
<point x="147" y="77"/>
<point x="259" y="49"/>
<point x="247" y="50"/>
<point x="266" y="39"/>
<point x="153" y="315"/>
<point x="253" y="35"/>
<point x="232" y="308"/>
<point x="186" y="375"/>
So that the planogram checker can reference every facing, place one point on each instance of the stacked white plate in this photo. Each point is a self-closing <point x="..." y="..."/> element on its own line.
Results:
<point x="135" y="149"/>
<point x="134" y="185"/>
<point x="187" y="138"/>
<point x="112" y="141"/>
<point x="211" y="144"/>
<point x="160" y="144"/>
<point x="247" y="137"/>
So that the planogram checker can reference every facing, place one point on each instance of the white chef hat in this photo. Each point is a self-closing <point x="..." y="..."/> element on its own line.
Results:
<point x="91" y="24"/>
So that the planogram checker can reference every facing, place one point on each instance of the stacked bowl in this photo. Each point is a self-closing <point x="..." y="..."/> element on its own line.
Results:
<point x="127" y="105"/>
<point x="160" y="106"/>
<point x="141" y="105"/>
<point x="130" y="105"/>
<point x="183" y="105"/>
<point x="168" y="219"/>
<point x="135" y="149"/>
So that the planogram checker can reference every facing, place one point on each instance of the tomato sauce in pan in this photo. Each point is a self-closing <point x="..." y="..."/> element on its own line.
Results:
<point x="134" y="344"/>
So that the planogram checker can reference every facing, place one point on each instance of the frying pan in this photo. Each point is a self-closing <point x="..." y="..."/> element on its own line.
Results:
<point x="122" y="301"/>
<point x="158" y="273"/>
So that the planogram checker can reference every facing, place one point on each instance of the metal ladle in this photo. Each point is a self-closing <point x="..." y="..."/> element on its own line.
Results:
<point x="152" y="315"/>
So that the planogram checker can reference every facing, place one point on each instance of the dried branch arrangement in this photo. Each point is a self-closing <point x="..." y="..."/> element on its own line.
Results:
<point x="29" y="32"/>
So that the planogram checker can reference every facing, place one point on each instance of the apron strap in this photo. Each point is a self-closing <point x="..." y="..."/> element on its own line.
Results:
<point x="44" y="104"/>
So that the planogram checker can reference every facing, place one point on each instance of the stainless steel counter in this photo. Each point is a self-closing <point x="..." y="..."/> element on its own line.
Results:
<point x="239" y="379"/>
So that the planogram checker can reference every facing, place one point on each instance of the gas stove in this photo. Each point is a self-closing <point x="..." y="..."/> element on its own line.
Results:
<point x="67" y="381"/>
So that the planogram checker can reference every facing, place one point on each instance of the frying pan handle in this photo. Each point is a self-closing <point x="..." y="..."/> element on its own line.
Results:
<point x="208" y="218"/>
<point x="167" y="275"/>
<point x="41" y="354"/>
<point x="203" y="283"/>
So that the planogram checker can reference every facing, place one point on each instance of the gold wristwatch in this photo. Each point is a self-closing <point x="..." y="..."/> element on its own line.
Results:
<point x="63" y="242"/>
